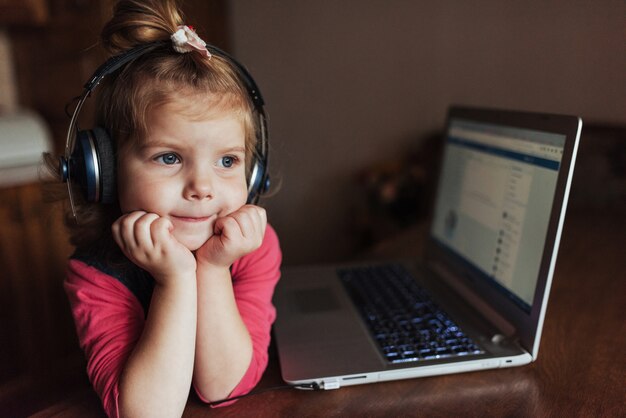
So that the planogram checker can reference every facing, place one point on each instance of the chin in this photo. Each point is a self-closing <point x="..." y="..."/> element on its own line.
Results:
<point x="193" y="243"/>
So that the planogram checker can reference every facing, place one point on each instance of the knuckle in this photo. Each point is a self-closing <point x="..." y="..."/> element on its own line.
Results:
<point x="230" y="221"/>
<point x="159" y="223"/>
<point x="146" y="218"/>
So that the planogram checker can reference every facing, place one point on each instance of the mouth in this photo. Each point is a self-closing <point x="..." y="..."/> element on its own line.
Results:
<point x="193" y="219"/>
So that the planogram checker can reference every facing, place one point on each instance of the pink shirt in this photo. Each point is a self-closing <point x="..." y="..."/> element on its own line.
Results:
<point x="109" y="319"/>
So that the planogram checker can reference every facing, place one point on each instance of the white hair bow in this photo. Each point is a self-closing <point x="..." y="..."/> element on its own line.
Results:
<point x="186" y="40"/>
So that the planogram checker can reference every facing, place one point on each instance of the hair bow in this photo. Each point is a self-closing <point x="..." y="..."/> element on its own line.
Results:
<point x="185" y="40"/>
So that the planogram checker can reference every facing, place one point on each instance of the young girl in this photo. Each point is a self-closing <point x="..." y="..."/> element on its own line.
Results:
<point x="171" y="286"/>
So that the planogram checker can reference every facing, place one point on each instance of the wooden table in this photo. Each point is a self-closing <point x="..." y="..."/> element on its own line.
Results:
<point x="580" y="372"/>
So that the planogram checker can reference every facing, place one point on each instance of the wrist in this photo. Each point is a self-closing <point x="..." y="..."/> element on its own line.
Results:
<point x="177" y="281"/>
<point x="208" y="269"/>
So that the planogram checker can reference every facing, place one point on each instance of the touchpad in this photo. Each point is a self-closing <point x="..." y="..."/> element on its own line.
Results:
<point x="315" y="300"/>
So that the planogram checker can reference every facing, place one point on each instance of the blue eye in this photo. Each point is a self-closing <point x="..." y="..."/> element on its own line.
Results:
<point x="168" y="159"/>
<point x="227" y="162"/>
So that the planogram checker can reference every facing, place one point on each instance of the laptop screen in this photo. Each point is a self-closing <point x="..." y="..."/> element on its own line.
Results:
<point x="494" y="202"/>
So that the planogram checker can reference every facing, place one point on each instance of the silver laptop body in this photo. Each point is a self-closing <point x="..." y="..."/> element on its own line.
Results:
<point x="489" y="260"/>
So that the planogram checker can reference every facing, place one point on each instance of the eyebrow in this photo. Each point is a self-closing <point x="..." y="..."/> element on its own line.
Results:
<point x="234" y="149"/>
<point x="159" y="143"/>
<point x="175" y="145"/>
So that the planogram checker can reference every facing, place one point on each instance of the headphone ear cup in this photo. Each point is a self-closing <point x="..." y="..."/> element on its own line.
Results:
<point x="92" y="166"/>
<point x="253" y="182"/>
<point x="258" y="183"/>
<point x="107" y="161"/>
<point x="83" y="165"/>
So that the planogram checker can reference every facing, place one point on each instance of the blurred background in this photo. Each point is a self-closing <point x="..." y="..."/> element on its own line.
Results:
<point x="350" y="85"/>
<point x="357" y="94"/>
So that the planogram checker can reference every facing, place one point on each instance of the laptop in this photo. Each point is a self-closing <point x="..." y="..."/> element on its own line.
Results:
<point x="477" y="297"/>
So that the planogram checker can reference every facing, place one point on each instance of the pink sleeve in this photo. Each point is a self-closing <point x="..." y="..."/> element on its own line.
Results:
<point x="254" y="278"/>
<point x="109" y="320"/>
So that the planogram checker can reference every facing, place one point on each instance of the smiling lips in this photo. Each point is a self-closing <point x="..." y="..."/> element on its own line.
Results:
<point x="193" y="219"/>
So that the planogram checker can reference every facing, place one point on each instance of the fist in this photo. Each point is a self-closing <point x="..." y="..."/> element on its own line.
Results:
<point x="234" y="236"/>
<point x="146" y="239"/>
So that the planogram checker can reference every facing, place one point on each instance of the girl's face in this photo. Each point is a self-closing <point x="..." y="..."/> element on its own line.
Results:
<point x="190" y="170"/>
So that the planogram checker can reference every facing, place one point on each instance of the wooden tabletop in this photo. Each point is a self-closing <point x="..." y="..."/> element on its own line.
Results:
<point x="580" y="372"/>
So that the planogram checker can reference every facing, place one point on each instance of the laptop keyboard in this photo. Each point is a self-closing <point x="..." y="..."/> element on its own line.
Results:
<point x="402" y="318"/>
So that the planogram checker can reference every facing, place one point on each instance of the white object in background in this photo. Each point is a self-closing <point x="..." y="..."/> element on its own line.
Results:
<point x="24" y="137"/>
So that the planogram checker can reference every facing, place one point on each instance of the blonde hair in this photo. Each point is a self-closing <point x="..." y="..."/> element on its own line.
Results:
<point x="156" y="78"/>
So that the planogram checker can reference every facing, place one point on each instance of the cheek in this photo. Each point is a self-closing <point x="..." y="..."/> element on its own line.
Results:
<point x="125" y="187"/>
<point x="130" y="198"/>
<point x="234" y="194"/>
<point x="135" y="193"/>
<point x="242" y="192"/>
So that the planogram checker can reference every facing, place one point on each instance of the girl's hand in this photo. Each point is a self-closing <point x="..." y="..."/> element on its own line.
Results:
<point x="146" y="239"/>
<point x="235" y="235"/>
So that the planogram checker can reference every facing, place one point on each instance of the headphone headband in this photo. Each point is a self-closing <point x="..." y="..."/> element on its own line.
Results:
<point x="116" y="62"/>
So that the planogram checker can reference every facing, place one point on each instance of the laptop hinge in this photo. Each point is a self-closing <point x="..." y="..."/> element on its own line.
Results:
<point x="506" y="329"/>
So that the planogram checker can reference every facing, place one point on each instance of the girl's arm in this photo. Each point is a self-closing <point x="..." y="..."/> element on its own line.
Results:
<point x="157" y="376"/>
<point x="223" y="344"/>
<point x="254" y="279"/>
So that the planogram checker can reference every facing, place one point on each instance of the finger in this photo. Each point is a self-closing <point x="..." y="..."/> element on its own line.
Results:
<point x="245" y="220"/>
<point x="123" y="229"/>
<point x="252" y="218"/>
<point x="262" y="225"/>
<point x="257" y="210"/>
<point x="218" y="226"/>
<point x="227" y="227"/>
<point x="259" y="220"/>
<point x="262" y="213"/>
<point x="142" y="230"/>
<point x="253" y="223"/>
<point x="127" y="227"/>
<point x="161" y="230"/>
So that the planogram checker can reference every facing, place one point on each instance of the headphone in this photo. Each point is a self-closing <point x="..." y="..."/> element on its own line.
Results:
<point x="89" y="159"/>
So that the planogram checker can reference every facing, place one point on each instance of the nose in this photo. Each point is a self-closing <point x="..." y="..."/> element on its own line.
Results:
<point x="199" y="184"/>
